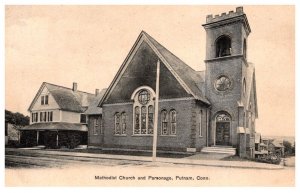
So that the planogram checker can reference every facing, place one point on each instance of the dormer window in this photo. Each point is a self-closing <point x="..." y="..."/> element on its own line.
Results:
<point x="223" y="46"/>
<point x="44" y="100"/>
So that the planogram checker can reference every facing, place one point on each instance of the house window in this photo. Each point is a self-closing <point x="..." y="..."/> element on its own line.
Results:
<point x="223" y="46"/>
<point x="143" y="112"/>
<point x="83" y="118"/>
<point x="50" y="115"/>
<point x="200" y="124"/>
<point x="117" y="124"/>
<point x="96" y="124"/>
<point x="45" y="117"/>
<point x="41" y="116"/>
<point x="34" y="117"/>
<point x="123" y="123"/>
<point x="164" y="122"/>
<point x="173" y="122"/>
<point x="44" y="100"/>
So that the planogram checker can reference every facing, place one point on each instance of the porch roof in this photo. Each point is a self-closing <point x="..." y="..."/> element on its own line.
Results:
<point x="53" y="126"/>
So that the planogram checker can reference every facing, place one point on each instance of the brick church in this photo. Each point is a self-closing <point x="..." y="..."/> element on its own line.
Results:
<point x="198" y="110"/>
<point x="209" y="111"/>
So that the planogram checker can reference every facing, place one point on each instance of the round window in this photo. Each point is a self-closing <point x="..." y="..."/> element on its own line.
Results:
<point x="222" y="83"/>
<point x="144" y="97"/>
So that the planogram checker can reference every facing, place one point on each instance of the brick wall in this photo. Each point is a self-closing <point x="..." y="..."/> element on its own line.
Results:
<point x="95" y="138"/>
<point x="186" y="123"/>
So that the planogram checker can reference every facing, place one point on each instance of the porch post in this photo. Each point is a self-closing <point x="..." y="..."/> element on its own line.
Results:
<point x="57" y="138"/>
<point x="37" y="137"/>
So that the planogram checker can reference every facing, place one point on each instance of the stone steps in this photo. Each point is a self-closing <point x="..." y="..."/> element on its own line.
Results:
<point x="219" y="149"/>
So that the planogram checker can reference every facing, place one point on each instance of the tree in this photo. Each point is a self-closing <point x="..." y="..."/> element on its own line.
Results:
<point x="17" y="119"/>
<point x="288" y="148"/>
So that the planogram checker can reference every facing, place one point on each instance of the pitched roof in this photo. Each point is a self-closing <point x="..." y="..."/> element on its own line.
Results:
<point x="93" y="108"/>
<point x="277" y="143"/>
<point x="190" y="79"/>
<point x="66" y="98"/>
<point x="56" y="126"/>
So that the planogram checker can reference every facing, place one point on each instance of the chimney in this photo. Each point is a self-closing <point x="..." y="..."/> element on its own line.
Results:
<point x="74" y="86"/>
<point x="97" y="92"/>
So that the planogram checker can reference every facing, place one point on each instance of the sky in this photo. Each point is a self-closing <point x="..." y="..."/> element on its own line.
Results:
<point x="87" y="45"/>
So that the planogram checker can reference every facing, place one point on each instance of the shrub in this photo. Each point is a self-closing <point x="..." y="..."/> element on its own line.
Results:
<point x="271" y="159"/>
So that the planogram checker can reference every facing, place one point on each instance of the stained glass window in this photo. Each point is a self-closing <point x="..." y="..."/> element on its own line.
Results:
<point x="144" y="97"/>
<point x="123" y="118"/>
<point x="222" y="117"/>
<point x="143" y="112"/>
<point x="150" y="119"/>
<point x="117" y="124"/>
<point x="173" y="122"/>
<point x="137" y="120"/>
<point x="222" y="83"/>
<point x="143" y="120"/>
<point x="164" y="123"/>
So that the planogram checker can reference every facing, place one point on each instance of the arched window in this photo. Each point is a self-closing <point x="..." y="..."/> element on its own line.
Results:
<point x="123" y="123"/>
<point x="143" y="111"/>
<point x="150" y="119"/>
<point x="245" y="48"/>
<point x="117" y="124"/>
<point x="223" y="46"/>
<point x="164" y="122"/>
<point x="173" y="122"/>
<point x="137" y="120"/>
<point x="143" y="120"/>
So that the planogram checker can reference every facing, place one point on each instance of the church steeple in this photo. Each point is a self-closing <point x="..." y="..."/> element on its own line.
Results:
<point x="226" y="34"/>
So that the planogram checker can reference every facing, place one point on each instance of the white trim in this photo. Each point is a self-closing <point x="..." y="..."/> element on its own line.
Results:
<point x="141" y="135"/>
<point x="140" y="88"/>
<point x="167" y="135"/>
<point x="60" y="115"/>
<point x="177" y="99"/>
<point x="117" y="104"/>
<point x="161" y="100"/>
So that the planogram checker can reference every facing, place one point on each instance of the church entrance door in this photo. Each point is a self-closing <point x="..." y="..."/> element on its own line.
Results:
<point x="223" y="133"/>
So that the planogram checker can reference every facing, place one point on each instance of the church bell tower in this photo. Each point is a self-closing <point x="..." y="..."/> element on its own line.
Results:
<point x="226" y="66"/>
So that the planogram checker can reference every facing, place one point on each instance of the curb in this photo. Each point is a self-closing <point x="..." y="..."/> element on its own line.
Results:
<point x="212" y="163"/>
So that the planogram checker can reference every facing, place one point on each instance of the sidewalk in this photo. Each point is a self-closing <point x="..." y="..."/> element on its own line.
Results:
<point x="214" y="163"/>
